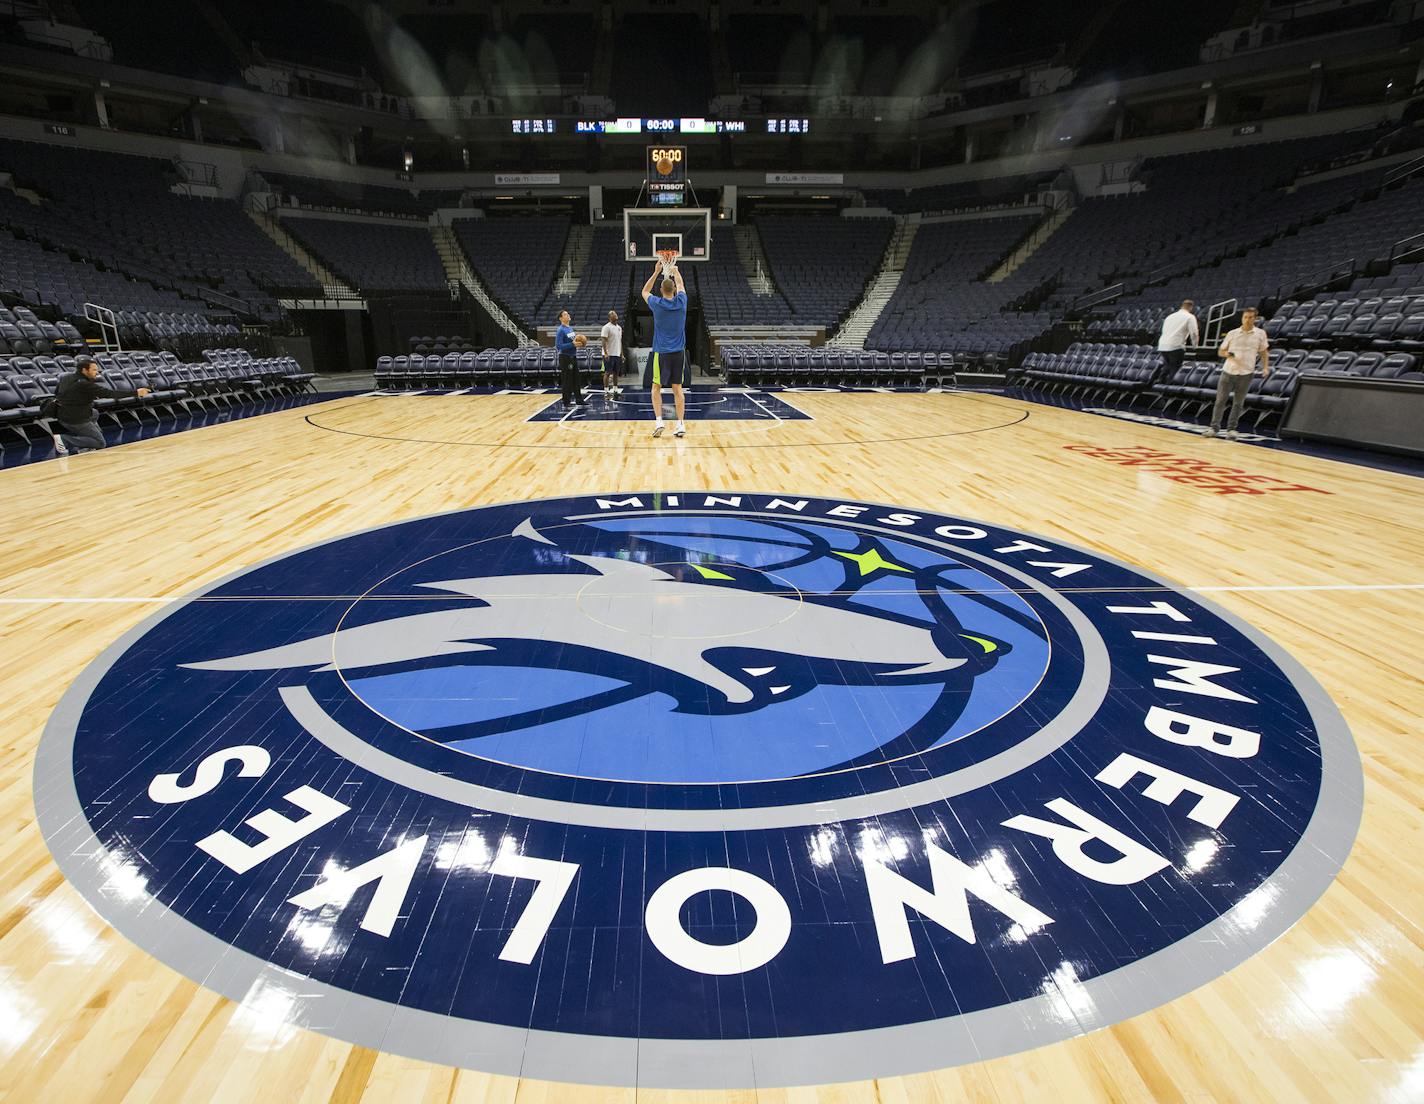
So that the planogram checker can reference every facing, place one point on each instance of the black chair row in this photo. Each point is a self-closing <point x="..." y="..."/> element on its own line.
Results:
<point x="176" y="388"/>
<point x="1116" y="374"/>
<point x="530" y="366"/>
<point x="828" y="366"/>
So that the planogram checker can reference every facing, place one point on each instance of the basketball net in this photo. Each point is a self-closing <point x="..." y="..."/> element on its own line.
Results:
<point x="669" y="258"/>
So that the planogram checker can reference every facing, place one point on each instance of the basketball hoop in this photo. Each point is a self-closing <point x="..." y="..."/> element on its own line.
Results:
<point x="669" y="258"/>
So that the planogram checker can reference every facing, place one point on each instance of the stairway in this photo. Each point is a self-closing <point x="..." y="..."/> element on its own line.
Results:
<point x="753" y="260"/>
<point x="574" y="260"/>
<point x="1029" y="246"/>
<point x="459" y="273"/>
<point x="867" y="312"/>
<point x="332" y="286"/>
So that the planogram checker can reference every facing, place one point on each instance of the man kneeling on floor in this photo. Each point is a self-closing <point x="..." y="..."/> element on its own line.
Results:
<point x="74" y="400"/>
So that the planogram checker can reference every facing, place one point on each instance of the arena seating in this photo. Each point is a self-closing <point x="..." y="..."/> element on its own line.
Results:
<point x="117" y="210"/>
<point x="940" y="300"/>
<point x="1197" y="209"/>
<point x="372" y="256"/>
<point x="47" y="277"/>
<point x="727" y="296"/>
<point x="516" y="258"/>
<point x="530" y="366"/>
<point x="342" y="195"/>
<point x="791" y="365"/>
<point x="1353" y="238"/>
<point x="226" y="378"/>
<point x="440" y="344"/>
<point x="966" y="195"/>
<point x="25" y="333"/>
<point x="1374" y="328"/>
<point x="822" y="265"/>
<point x="605" y="284"/>
<point x="1097" y="372"/>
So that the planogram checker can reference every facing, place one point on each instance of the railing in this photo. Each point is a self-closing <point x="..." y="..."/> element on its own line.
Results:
<point x="104" y="318"/>
<point x="1404" y="171"/>
<point x="1397" y="253"/>
<point x="1337" y="271"/>
<point x="1035" y="295"/>
<point x="1121" y="172"/>
<point x="1160" y="273"/>
<point x="202" y="173"/>
<point x="1216" y="316"/>
<point x="476" y="288"/>
<point x="1095" y="298"/>
<point x="223" y="299"/>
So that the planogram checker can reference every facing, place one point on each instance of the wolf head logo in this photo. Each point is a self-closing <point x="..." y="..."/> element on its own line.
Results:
<point x="703" y="635"/>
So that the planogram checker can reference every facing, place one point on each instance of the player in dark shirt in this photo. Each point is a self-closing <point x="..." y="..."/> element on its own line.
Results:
<point x="568" y="362"/>
<point x="74" y="396"/>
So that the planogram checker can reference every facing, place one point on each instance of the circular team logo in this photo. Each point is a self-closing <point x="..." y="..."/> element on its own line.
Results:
<point x="698" y="790"/>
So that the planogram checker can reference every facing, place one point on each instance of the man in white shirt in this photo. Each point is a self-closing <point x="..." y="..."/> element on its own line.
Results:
<point x="612" y="334"/>
<point x="1241" y="348"/>
<point x="1178" y="329"/>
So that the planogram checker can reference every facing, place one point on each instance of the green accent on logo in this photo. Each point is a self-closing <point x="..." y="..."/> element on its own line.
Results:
<point x="709" y="573"/>
<point x="872" y="561"/>
<point x="987" y="645"/>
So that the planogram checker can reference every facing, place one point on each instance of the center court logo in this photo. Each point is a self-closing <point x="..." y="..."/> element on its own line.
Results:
<point x="698" y="790"/>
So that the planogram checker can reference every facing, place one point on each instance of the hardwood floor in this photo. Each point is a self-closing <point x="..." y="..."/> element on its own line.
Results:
<point x="1324" y="558"/>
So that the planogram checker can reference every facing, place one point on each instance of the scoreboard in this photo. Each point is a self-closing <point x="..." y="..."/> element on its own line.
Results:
<point x="667" y="176"/>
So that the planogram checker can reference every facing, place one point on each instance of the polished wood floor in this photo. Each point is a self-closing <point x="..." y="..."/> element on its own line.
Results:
<point x="1333" y="1011"/>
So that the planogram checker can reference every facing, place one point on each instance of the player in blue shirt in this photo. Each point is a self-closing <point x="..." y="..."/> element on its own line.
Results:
<point x="568" y="362"/>
<point x="667" y="363"/>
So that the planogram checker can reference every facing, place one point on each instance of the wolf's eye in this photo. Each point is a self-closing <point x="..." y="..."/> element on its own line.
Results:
<point x="987" y="645"/>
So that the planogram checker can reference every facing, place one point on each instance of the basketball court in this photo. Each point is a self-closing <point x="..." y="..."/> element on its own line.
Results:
<point x="950" y="707"/>
<point x="727" y="627"/>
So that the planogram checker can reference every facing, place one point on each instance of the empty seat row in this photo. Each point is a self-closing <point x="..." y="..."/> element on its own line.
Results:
<point x="25" y="382"/>
<point x="21" y="331"/>
<point x="1396" y="322"/>
<point x="828" y="366"/>
<point x="1102" y="367"/>
<point x="531" y="366"/>
<point x="1107" y="372"/>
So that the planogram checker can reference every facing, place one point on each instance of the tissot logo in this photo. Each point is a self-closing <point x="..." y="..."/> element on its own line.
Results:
<point x="698" y="789"/>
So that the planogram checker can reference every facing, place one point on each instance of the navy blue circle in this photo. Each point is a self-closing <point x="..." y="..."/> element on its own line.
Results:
<point x="153" y="713"/>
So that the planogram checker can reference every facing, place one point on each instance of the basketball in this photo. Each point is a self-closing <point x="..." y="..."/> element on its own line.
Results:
<point x="664" y="166"/>
<point x="580" y="340"/>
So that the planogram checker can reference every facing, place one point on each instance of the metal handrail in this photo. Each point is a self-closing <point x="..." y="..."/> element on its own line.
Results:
<point x="1395" y="252"/>
<point x="1160" y="273"/>
<point x="104" y="318"/>
<point x="1404" y="171"/>
<point x="1102" y="295"/>
<point x="1129" y="173"/>
<point x="202" y="173"/>
<point x="1332" y="273"/>
<point x="1216" y="315"/>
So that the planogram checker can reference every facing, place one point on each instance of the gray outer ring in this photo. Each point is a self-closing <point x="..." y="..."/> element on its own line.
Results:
<point x="690" y="1064"/>
<point x="1058" y="731"/>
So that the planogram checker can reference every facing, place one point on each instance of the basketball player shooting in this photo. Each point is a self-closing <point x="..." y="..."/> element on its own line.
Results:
<point x="667" y="363"/>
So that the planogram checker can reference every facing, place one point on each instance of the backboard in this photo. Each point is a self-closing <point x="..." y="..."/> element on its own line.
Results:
<point x="646" y="230"/>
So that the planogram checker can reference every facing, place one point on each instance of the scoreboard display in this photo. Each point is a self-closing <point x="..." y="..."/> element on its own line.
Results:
<point x="667" y="176"/>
